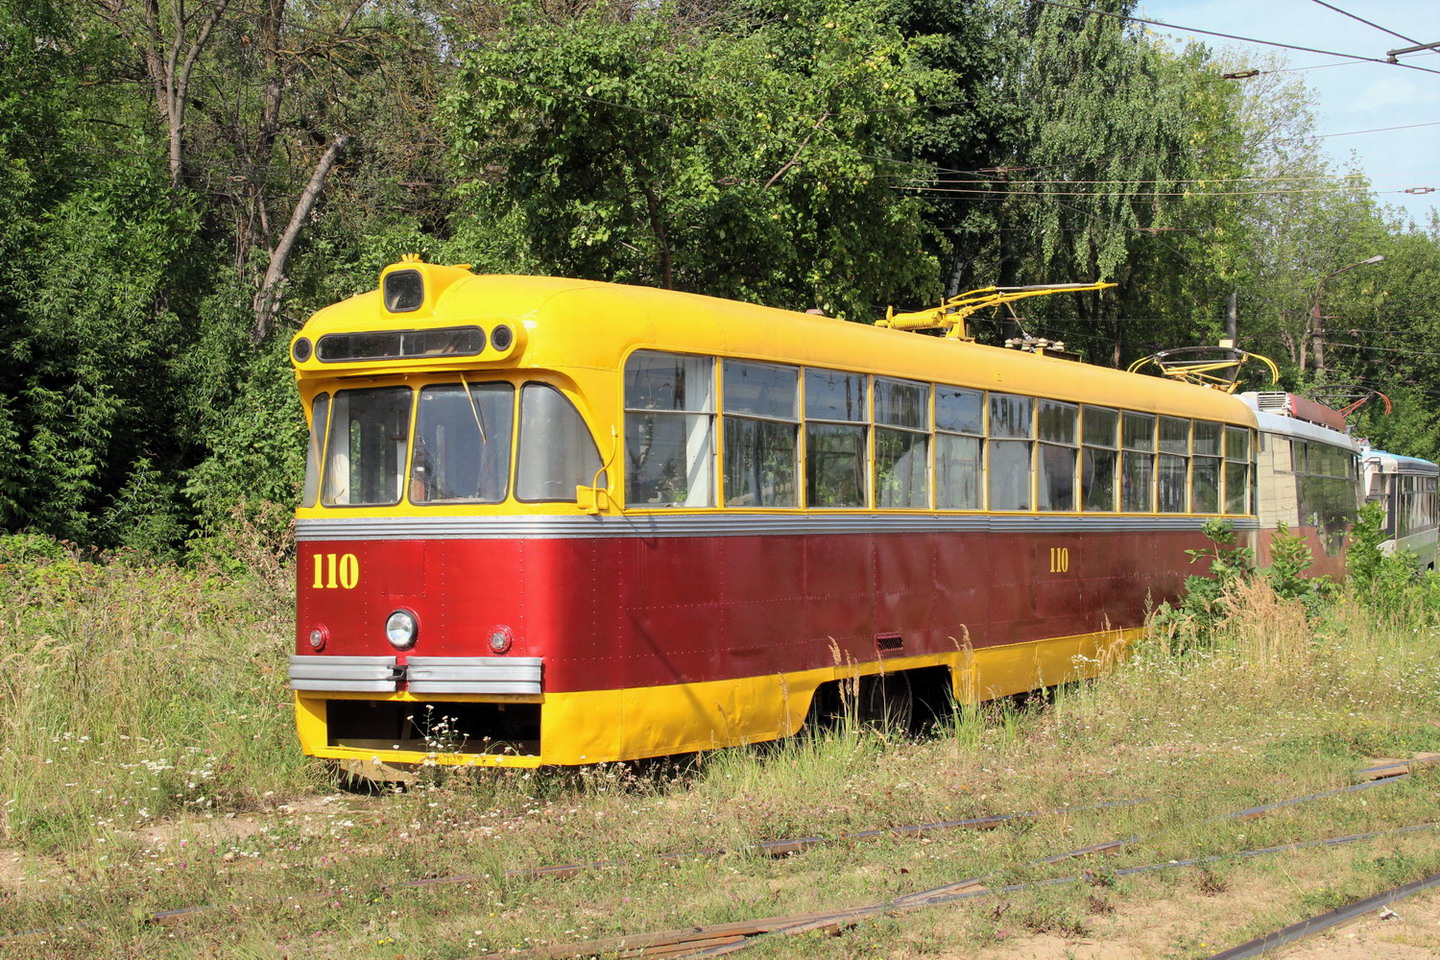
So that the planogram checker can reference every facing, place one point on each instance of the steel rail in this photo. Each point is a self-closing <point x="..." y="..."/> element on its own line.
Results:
<point x="1325" y="921"/>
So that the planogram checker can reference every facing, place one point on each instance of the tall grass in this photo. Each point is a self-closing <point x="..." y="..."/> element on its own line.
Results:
<point x="134" y="689"/>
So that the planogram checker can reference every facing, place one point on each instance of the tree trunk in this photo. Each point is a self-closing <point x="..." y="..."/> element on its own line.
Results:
<point x="269" y="293"/>
<point x="169" y="65"/>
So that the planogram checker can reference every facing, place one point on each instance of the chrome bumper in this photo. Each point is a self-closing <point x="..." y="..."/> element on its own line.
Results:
<point x="473" y="674"/>
<point x="369" y="674"/>
<point x="485" y="675"/>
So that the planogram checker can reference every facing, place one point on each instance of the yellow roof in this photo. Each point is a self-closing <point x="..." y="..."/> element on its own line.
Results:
<point x="566" y="323"/>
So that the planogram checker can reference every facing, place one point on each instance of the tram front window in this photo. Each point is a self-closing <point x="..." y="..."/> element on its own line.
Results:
<point x="462" y="443"/>
<point x="365" y="451"/>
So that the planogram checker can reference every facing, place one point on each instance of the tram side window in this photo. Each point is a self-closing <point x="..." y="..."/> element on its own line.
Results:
<point x="557" y="452"/>
<point x="1407" y="505"/>
<point x="959" y="446"/>
<point x="1137" y="463"/>
<point x="902" y="435"/>
<point x="1417" y="504"/>
<point x="1205" y="468"/>
<point x="761" y="421"/>
<point x="1173" y="465"/>
<point x="1098" y="457"/>
<point x="462" y="443"/>
<point x="1059" y="446"/>
<point x="1237" y="466"/>
<point x="669" y="431"/>
<point x="1326" y="489"/>
<point x="1384" y="492"/>
<point x="835" y="426"/>
<point x="319" y="419"/>
<point x="1011" y="433"/>
<point x="365" y="450"/>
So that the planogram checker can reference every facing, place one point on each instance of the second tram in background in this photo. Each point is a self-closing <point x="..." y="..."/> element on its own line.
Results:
<point x="1407" y="488"/>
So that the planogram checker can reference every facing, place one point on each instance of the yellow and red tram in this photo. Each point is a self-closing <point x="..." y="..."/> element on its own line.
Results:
<point x="552" y="521"/>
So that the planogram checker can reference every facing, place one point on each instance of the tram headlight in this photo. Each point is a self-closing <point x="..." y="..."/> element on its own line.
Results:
<point x="301" y="349"/>
<point x="400" y="629"/>
<point x="500" y="639"/>
<point x="318" y="637"/>
<point x="501" y="338"/>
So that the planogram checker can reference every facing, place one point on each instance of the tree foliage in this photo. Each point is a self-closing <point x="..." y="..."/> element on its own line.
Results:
<point x="746" y="162"/>
<point x="167" y="221"/>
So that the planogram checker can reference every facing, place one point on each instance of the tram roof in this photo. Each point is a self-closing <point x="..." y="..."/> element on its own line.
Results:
<point x="572" y="323"/>
<point x="1400" y="463"/>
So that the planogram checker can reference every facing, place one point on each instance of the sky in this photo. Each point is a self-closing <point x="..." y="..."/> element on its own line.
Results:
<point x="1350" y="96"/>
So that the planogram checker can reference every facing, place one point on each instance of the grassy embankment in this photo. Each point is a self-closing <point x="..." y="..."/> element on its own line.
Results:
<point x="150" y="764"/>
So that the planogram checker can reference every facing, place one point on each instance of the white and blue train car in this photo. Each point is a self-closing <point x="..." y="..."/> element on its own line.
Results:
<point x="1406" y="486"/>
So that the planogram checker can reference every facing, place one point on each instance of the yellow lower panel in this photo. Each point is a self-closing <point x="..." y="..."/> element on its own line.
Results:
<point x="605" y="725"/>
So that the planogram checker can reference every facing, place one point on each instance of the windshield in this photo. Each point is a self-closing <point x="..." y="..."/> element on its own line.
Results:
<point x="319" y="420"/>
<point x="361" y="446"/>
<point x="365" y="452"/>
<point x="462" y="443"/>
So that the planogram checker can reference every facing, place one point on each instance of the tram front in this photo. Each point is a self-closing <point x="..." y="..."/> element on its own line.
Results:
<point x="434" y="456"/>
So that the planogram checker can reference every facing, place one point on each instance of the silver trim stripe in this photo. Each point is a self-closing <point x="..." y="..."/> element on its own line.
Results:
<point x="424" y="674"/>
<point x="474" y="674"/>
<point x="651" y="526"/>
<point x="369" y="674"/>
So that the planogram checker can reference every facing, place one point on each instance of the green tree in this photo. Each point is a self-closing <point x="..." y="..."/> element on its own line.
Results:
<point x="749" y="160"/>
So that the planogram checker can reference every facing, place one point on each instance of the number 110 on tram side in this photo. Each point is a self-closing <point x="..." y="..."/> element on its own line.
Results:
<point x="551" y="521"/>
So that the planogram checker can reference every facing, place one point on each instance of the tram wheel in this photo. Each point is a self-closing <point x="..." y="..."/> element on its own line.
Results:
<point x="886" y="702"/>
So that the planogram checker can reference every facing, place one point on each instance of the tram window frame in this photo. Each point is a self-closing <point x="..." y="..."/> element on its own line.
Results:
<point x="391" y="450"/>
<point x="1010" y="452"/>
<point x="762" y="428"/>
<point x="1172" y="466"/>
<point x="1099" y="457"/>
<point x="1057" y="426"/>
<point x="1325" y="489"/>
<point x="1137" y="462"/>
<point x="315" y="451"/>
<point x="959" y="448"/>
<point x="580" y="464"/>
<point x="902" y="444"/>
<point x="695" y="417"/>
<point x="1237" y="467"/>
<point x="431" y="463"/>
<point x="1206" y="446"/>
<point x="837" y="439"/>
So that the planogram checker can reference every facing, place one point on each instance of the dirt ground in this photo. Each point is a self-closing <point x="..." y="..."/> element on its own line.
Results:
<point x="1410" y="930"/>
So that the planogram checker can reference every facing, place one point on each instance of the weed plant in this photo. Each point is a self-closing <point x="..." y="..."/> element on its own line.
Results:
<point x="133" y="690"/>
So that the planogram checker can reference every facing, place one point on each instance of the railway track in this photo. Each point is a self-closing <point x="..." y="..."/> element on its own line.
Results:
<point x="1327" y="921"/>
<point x="729" y="937"/>
<point x="721" y="939"/>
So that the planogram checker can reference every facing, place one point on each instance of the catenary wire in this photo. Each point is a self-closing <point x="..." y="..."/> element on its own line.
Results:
<point x="1230" y="36"/>
<point x="1347" y="13"/>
